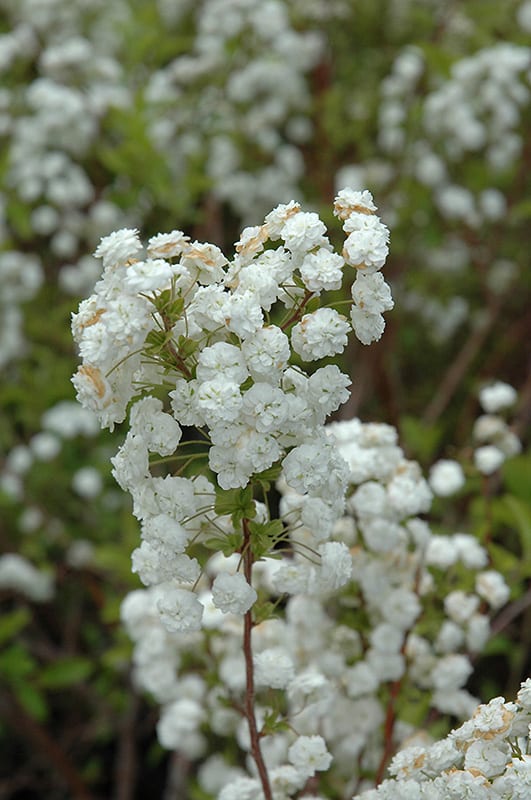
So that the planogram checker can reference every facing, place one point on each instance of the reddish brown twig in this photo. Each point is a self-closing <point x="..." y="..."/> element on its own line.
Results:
<point x="254" y="734"/>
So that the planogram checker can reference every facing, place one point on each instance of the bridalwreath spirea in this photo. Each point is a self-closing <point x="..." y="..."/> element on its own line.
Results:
<point x="207" y="357"/>
<point x="184" y="338"/>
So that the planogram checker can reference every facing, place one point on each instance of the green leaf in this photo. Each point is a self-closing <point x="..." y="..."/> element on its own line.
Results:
<point x="264" y="536"/>
<point x="238" y="503"/>
<point x="520" y="512"/>
<point x="32" y="700"/>
<point x="273" y="723"/>
<point x="225" y="544"/>
<point x="269" y="475"/>
<point x="65" y="672"/>
<point x="420" y="440"/>
<point x="264" y="611"/>
<point x="12" y="623"/>
<point x="186" y="347"/>
<point x="16" y="663"/>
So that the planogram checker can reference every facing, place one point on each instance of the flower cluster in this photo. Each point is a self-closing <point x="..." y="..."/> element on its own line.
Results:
<point x="252" y="113"/>
<point x="374" y="614"/>
<point x="486" y="758"/>
<point x="185" y="320"/>
<point x="495" y="440"/>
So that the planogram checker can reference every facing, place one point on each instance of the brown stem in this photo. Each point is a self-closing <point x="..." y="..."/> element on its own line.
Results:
<point x="459" y="367"/>
<point x="179" y="362"/>
<point x="511" y="612"/>
<point x="256" y="752"/>
<point x="125" y="768"/>
<point x="394" y="691"/>
<point x="298" y="311"/>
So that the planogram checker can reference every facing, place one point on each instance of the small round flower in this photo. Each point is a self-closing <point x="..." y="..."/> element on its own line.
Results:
<point x="349" y="201"/>
<point x="488" y="459"/>
<point x="232" y="594"/>
<point x="368" y="327"/>
<point x="304" y="231"/>
<point x="179" y="609"/>
<point x="148" y="276"/>
<point x="118" y="247"/>
<point x="322" y="270"/>
<point x="321" y="334"/>
<point x="491" y="586"/>
<point x="266" y="353"/>
<point x="309" y="754"/>
<point x="274" y="668"/>
<point x="497" y="396"/>
<point x="371" y="293"/>
<point x="87" y="482"/>
<point x="366" y="245"/>
<point x="167" y="245"/>
<point x="446" y="477"/>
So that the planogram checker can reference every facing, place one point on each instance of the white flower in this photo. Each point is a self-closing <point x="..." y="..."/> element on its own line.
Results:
<point x="264" y="407"/>
<point x="349" y="201"/>
<point x="159" y="430"/>
<point x="232" y="594"/>
<point x="368" y="327"/>
<point x="366" y="246"/>
<point x="118" y="247"/>
<point x="491" y="586"/>
<point x="451" y="672"/>
<point x="336" y="566"/>
<point x="460" y="606"/>
<point x="167" y="245"/>
<point x="303" y="231"/>
<point x="179" y="609"/>
<point x="19" y="575"/>
<point x="276" y="219"/>
<point x="497" y="396"/>
<point x="446" y="477"/>
<point x="323" y="333"/>
<point x="148" y="276"/>
<point x="87" y="482"/>
<point x="488" y="459"/>
<point x="274" y="667"/>
<point x="327" y="389"/>
<point x="371" y="293"/>
<point x="524" y="694"/>
<point x="131" y="462"/>
<point x="241" y="789"/>
<point x="266" y="353"/>
<point x="178" y="723"/>
<point x="206" y="261"/>
<point x="488" y="758"/>
<point x="219" y="400"/>
<point x="221" y="360"/>
<point x="309" y="754"/>
<point x="322" y="270"/>
<point x="360" y="679"/>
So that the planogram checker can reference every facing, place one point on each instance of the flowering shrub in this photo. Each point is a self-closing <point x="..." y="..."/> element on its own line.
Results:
<point x="371" y="592"/>
<point x="195" y="346"/>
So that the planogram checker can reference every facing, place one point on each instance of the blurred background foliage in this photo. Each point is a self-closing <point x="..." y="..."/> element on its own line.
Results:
<point x="201" y="116"/>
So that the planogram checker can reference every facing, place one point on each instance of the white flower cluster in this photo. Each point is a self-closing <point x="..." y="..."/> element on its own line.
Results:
<point x="20" y="278"/>
<point x="17" y="574"/>
<point x="486" y="758"/>
<point x="495" y="440"/>
<point x="245" y="114"/>
<point x="351" y="626"/>
<point x="61" y="75"/>
<point x="187" y="318"/>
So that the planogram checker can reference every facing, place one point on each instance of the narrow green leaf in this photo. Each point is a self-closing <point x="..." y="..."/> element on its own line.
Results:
<point x="65" y="672"/>
<point x="12" y="623"/>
